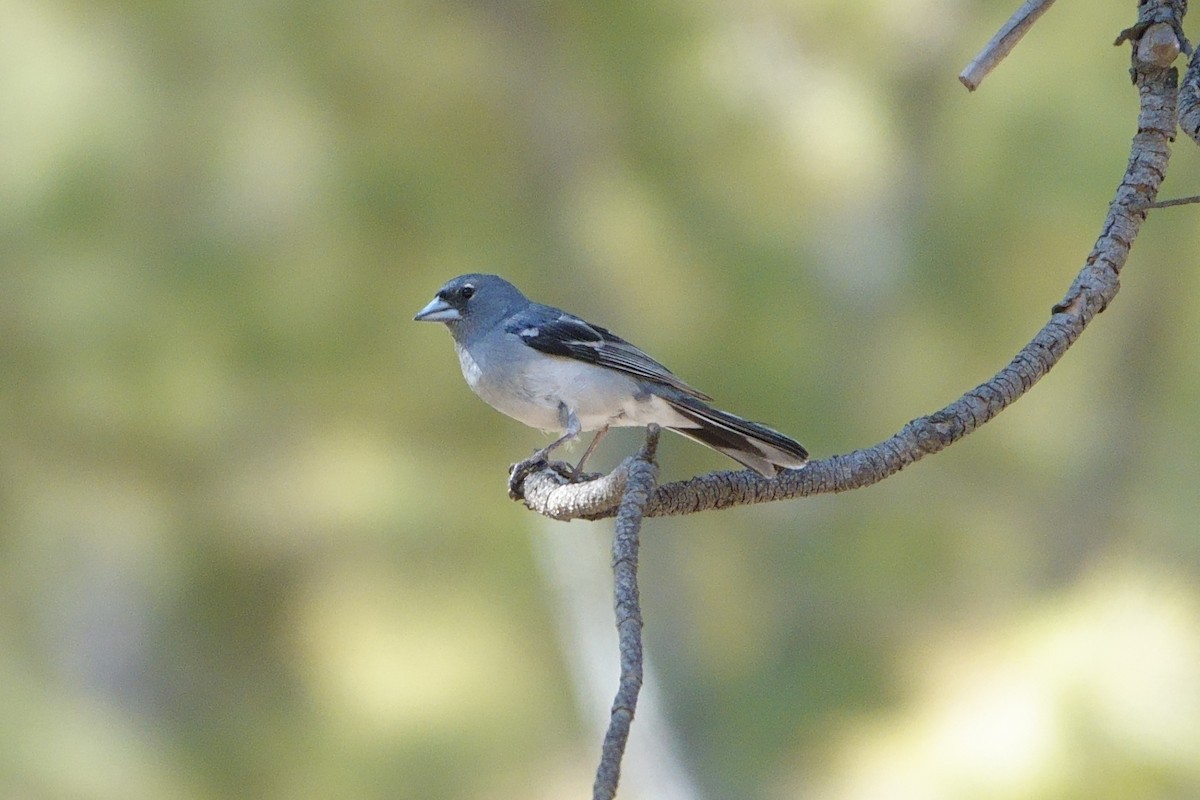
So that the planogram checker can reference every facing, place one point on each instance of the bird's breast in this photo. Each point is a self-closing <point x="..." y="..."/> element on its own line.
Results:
<point x="470" y="368"/>
<point x="541" y="391"/>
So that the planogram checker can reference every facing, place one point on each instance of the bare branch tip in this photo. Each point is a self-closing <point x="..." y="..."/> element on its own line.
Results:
<point x="649" y="450"/>
<point x="1000" y="45"/>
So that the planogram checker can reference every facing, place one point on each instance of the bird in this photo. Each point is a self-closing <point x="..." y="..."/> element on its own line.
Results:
<point x="556" y="372"/>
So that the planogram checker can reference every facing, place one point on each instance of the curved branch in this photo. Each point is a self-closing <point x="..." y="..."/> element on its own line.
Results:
<point x="640" y="473"/>
<point x="1090" y="293"/>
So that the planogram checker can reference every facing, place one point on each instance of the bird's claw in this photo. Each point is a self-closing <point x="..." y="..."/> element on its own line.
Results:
<point x="518" y="472"/>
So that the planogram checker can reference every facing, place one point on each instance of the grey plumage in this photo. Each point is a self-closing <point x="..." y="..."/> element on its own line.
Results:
<point x="554" y="371"/>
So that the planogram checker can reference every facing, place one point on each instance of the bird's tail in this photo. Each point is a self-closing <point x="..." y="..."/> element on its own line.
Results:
<point x="758" y="447"/>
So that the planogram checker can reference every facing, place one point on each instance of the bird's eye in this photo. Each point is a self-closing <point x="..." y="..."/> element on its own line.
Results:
<point x="466" y="292"/>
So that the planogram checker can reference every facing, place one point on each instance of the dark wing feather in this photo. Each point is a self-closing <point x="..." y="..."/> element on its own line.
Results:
<point x="558" y="333"/>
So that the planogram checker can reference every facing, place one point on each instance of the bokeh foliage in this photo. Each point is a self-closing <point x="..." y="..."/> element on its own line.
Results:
<point x="253" y="534"/>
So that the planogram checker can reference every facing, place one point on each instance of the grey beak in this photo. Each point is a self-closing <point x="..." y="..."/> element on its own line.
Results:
<point x="438" y="310"/>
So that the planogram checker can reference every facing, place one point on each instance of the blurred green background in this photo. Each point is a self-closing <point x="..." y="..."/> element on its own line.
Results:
<point x="254" y="538"/>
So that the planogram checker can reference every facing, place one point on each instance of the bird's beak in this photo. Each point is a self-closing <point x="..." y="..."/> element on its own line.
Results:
<point x="438" y="310"/>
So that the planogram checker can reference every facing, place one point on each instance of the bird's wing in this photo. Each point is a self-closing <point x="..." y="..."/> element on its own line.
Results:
<point x="558" y="333"/>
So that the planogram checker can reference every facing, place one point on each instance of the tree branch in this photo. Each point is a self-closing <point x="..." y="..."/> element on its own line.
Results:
<point x="639" y="482"/>
<point x="1189" y="99"/>
<point x="1089" y="294"/>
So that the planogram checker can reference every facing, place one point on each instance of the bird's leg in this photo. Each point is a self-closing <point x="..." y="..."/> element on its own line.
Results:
<point x="573" y="429"/>
<point x="595" y="441"/>
<point x="519" y="471"/>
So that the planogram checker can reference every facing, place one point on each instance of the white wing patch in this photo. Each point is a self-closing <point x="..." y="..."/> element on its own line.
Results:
<point x="529" y="333"/>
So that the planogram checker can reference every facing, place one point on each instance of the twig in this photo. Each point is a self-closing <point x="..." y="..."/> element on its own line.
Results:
<point x="639" y="485"/>
<point x="1179" y="201"/>
<point x="1003" y="42"/>
<point x="1092" y="290"/>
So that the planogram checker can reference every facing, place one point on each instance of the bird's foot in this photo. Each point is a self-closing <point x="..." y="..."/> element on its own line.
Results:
<point x="517" y="473"/>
